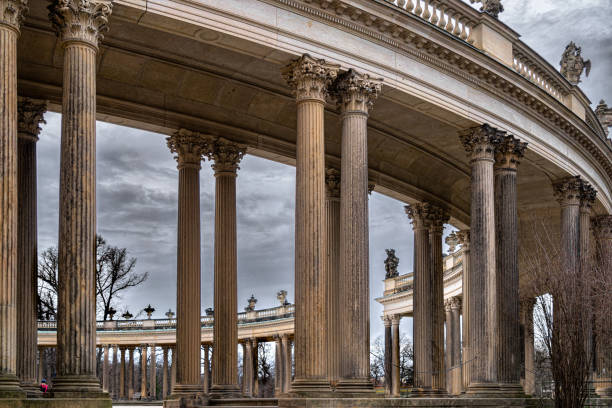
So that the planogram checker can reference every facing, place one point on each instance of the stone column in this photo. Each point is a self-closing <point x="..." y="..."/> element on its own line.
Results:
<point x="602" y="227"/>
<point x="165" y="373"/>
<point x="130" y="373"/>
<point x="310" y="78"/>
<point x="438" y="217"/>
<point x="30" y="115"/>
<point x="41" y="364"/>
<point x="255" y="368"/>
<point x="450" y="334"/>
<point x="388" y="353"/>
<point x="395" y="356"/>
<point x="466" y="360"/>
<point x="455" y="378"/>
<point x="106" y="369"/>
<point x="247" y="368"/>
<point x="79" y="25"/>
<point x="115" y="374"/>
<point x="143" y="371"/>
<point x="508" y="154"/>
<point x="153" y="374"/>
<point x="122" y="374"/>
<point x="11" y="16"/>
<point x="206" y="369"/>
<point x="173" y="370"/>
<point x="287" y="360"/>
<point x="332" y="221"/>
<point x="278" y="366"/>
<point x="225" y="156"/>
<point x="527" y="322"/>
<point x="480" y="143"/>
<point x="356" y="94"/>
<point x="189" y="148"/>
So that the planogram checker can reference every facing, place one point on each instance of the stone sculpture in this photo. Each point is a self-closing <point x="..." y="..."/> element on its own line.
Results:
<point x="251" y="307"/>
<point x="491" y="7"/>
<point x="572" y="64"/>
<point x="391" y="264"/>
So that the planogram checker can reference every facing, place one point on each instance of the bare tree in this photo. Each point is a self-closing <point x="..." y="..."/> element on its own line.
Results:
<point x="377" y="360"/>
<point x="406" y="361"/>
<point x="264" y="368"/>
<point x="115" y="272"/>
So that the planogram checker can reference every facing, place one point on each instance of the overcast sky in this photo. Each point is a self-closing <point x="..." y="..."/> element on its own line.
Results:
<point x="137" y="185"/>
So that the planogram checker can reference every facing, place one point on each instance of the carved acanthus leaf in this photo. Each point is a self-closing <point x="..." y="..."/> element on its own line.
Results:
<point x="30" y="115"/>
<point x="310" y="78"/>
<point x="568" y="190"/>
<point x="509" y="152"/>
<point x="356" y="92"/>
<point x="80" y="20"/>
<point x="426" y="215"/>
<point x="226" y="155"/>
<point x="189" y="147"/>
<point x="481" y="141"/>
<point x="12" y="12"/>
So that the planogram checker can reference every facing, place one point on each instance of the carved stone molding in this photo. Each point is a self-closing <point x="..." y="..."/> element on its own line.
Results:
<point x="587" y="197"/>
<point x="12" y="12"/>
<point x="225" y="155"/>
<point x="568" y="190"/>
<point x="509" y="152"/>
<point x="426" y="215"/>
<point x="189" y="147"/>
<point x="332" y="183"/>
<point x="602" y="226"/>
<point x="80" y="20"/>
<point x="30" y="115"/>
<point x="453" y="303"/>
<point x="356" y="92"/>
<point x="464" y="238"/>
<point x="481" y="142"/>
<point x="310" y="78"/>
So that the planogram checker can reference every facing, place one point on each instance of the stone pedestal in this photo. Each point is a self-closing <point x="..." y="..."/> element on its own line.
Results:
<point x="30" y="114"/>
<point x="310" y="78"/>
<point x="225" y="156"/>
<point x="356" y="93"/>
<point x="480" y="143"/>
<point x="80" y="26"/>
<point x="509" y="152"/>
<point x="189" y="148"/>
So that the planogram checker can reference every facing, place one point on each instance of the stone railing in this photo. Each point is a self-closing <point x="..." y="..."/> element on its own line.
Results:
<point x="533" y="67"/>
<point x="279" y="312"/>
<point x="452" y="16"/>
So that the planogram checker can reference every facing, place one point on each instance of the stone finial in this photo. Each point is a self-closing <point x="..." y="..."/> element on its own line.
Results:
<point x="509" y="152"/>
<point x="169" y="314"/>
<point x="127" y="315"/>
<point x="332" y="183"/>
<point x="602" y="226"/>
<point x="189" y="147"/>
<point x="226" y="155"/>
<point x="491" y="7"/>
<point x="572" y="64"/>
<point x="568" y="190"/>
<point x="391" y="264"/>
<point x="480" y="142"/>
<point x="452" y="241"/>
<point x="464" y="238"/>
<point x="251" y="307"/>
<point x="149" y="310"/>
<point x="30" y="115"/>
<point x="12" y="12"/>
<point x="80" y="20"/>
<point x="310" y="78"/>
<point x="356" y="92"/>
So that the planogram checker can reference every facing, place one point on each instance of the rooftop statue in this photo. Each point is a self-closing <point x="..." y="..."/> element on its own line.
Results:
<point x="452" y="241"/>
<point x="391" y="264"/>
<point x="251" y="307"/>
<point x="572" y="64"/>
<point x="282" y="297"/>
<point x="491" y="7"/>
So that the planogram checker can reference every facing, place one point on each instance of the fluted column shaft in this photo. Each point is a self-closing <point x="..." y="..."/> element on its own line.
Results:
<point x="455" y="346"/>
<point x="388" y="358"/>
<point x="165" y="374"/>
<point x="115" y="377"/>
<point x="508" y="155"/>
<point x="448" y="356"/>
<point x="173" y="370"/>
<point x="287" y="361"/>
<point x="395" y="357"/>
<point x="255" y="367"/>
<point x="206" y="369"/>
<point x="527" y="321"/>
<point x="436" y="227"/>
<point x="130" y="373"/>
<point x="11" y="16"/>
<point x="122" y="374"/>
<point x="247" y="368"/>
<point x="480" y="143"/>
<point x="41" y="364"/>
<point x="278" y="366"/>
<point x="464" y="240"/>
<point x="332" y="221"/>
<point x="356" y="93"/>
<point x="310" y="79"/>
<point x="80" y="27"/>
<point x="153" y="374"/>
<point x="226" y="156"/>
<point x="143" y="371"/>
<point x="106" y="369"/>
<point x="602" y="226"/>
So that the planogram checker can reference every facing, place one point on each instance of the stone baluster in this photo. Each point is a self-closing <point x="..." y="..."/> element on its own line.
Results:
<point x="143" y="371"/>
<point x="310" y="78"/>
<point x="529" y="353"/>
<point x="508" y="154"/>
<point x="30" y="115"/>
<point x="226" y="156"/>
<point x="388" y="355"/>
<point x="332" y="217"/>
<point x="449" y="20"/>
<point x="434" y="17"/>
<point x="356" y="93"/>
<point x="395" y="356"/>
<point x="206" y="379"/>
<point x="80" y="25"/>
<point x="464" y="239"/>
<point x="12" y="13"/>
<point x="130" y="373"/>
<point x="165" y="373"/>
<point x="189" y="148"/>
<point x="480" y="143"/>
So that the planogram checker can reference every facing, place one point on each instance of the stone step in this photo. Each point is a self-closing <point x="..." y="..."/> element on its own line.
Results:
<point x="245" y="402"/>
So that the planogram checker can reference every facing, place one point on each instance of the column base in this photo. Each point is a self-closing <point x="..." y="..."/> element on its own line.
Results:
<point x="32" y="390"/>
<point x="224" y="391"/>
<point x="494" y="390"/>
<point x="357" y="387"/>
<point x="10" y="387"/>
<point x="419" y="392"/>
<point x="77" y="386"/>
<point x="304" y="388"/>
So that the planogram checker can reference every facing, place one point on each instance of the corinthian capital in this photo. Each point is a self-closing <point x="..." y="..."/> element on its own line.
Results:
<point x="509" y="152"/>
<point x="480" y="142"/>
<point x="332" y="183"/>
<point x="80" y="20"/>
<point x="310" y="78"/>
<point x="587" y="197"/>
<point x="225" y="155"/>
<point x="426" y="215"/>
<point x="12" y="12"/>
<point x="30" y="114"/>
<point x="602" y="226"/>
<point x="356" y="92"/>
<point x="189" y="147"/>
<point x="568" y="190"/>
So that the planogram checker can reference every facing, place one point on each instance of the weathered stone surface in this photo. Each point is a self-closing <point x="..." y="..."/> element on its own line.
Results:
<point x="332" y="221"/>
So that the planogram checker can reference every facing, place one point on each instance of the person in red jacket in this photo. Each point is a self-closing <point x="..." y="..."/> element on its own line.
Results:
<point x="43" y="386"/>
